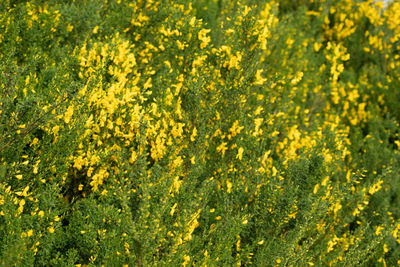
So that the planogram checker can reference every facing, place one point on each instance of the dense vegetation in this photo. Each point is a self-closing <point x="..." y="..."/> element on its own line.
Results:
<point x="202" y="132"/>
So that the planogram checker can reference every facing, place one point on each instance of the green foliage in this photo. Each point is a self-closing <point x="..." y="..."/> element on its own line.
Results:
<point x="136" y="133"/>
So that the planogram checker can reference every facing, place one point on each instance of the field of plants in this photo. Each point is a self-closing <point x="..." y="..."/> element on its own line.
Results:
<point x="199" y="133"/>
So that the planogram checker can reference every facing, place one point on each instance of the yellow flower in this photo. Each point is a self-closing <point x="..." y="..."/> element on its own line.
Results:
<point x="34" y="141"/>
<point x="56" y="129"/>
<point x="30" y="232"/>
<point x="147" y="84"/>
<point x="222" y="148"/>
<point x="297" y="78"/>
<point x="96" y="29"/>
<point x="173" y="209"/>
<point x="258" y="122"/>
<point x="191" y="225"/>
<point x="375" y="188"/>
<point x="378" y="230"/>
<point x="228" y="186"/>
<point x="186" y="259"/>
<point x="24" y="193"/>
<point x="133" y="157"/>
<point x="316" y="189"/>
<point x="325" y="181"/>
<point x="317" y="46"/>
<point x="202" y="35"/>
<point x="235" y="129"/>
<point x="180" y="45"/>
<point x="68" y="114"/>
<point x="240" y="153"/>
<point x="259" y="80"/>
<point x="194" y="134"/>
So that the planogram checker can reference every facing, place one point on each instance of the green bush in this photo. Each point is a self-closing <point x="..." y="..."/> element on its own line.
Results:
<point x="136" y="133"/>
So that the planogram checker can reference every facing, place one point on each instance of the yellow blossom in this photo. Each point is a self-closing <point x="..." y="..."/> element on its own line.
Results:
<point x="194" y="134"/>
<point x="95" y="29"/>
<point x="378" y="230"/>
<point x="259" y="80"/>
<point x="186" y="259"/>
<point x="229" y="187"/>
<point x="205" y="40"/>
<point x="222" y="148"/>
<point x="68" y="115"/>
<point x="55" y="129"/>
<point x="240" y="153"/>
<point x="173" y="209"/>
<point x="375" y="188"/>
<point x="316" y="189"/>
<point x="29" y="233"/>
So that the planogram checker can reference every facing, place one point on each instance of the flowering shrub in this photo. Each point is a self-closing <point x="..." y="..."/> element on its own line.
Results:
<point x="199" y="133"/>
